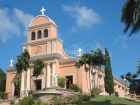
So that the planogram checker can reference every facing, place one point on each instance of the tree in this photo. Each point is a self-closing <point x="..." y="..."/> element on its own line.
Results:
<point x="89" y="61"/>
<point x="17" y="87"/>
<point x="23" y="65"/>
<point x="131" y="16"/>
<point x="109" y="83"/>
<point x="134" y="82"/>
<point x="2" y="80"/>
<point x="38" y="67"/>
<point x="98" y="59"/>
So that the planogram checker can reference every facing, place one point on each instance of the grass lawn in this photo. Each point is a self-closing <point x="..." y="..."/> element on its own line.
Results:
<point x="109" y="100"/>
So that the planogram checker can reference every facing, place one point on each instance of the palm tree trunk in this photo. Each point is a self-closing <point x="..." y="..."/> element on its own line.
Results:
<point x="77" y="78"/>
<point x="87" y="80"/>
<point x="26" y="85"/>
<point x="89" y="77"/>
<point x="99" y="73"/>
<point x="86" y="77"/>
<point x="36" y="83"/>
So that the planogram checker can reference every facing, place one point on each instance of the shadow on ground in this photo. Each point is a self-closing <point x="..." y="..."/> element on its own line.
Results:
<point x="106" y="102"/>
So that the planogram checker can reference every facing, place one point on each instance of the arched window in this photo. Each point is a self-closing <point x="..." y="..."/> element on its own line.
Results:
<point x="39" y="35"/>
<point x="45" y="33"/>
<point x="33" y="36"/>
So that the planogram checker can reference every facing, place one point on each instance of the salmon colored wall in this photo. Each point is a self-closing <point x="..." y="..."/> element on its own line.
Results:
<point x="57" y="66"/>
<point x="53" y="31"/>
<point x="10" y="77"/>
<point x="68" y="69"/>
<point x="39" y="20"/>
<point x="59" y="50"/>
<point x="33" y="48"/>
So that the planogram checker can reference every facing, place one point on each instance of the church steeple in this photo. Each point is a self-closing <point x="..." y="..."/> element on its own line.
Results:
<point x="42" y="27"/>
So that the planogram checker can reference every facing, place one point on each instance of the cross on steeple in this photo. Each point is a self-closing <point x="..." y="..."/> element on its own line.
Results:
<point x="11" y="61"/>
<point x="79" y="52"/>
<point x="43" y="10"/>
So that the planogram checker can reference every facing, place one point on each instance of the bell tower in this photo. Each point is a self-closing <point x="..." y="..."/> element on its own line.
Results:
<point x="41" y="27"/>
<point x="42" y="38"/>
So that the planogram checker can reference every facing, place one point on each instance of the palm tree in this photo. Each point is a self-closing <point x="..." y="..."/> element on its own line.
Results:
<point x="23" y="64"/>
<point x="98" y="59"/>
<point x="18" y="65"/>
<point x="38" y="67"/>
<point x="86" y="59"/>
<point x="80" y="62"/>
<point x="131" y="16"/>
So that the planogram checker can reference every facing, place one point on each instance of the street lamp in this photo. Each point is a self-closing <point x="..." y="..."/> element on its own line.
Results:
<point x="125" y="85"/>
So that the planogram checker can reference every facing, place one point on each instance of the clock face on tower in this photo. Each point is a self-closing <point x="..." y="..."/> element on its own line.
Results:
<point x="38" y="50"/>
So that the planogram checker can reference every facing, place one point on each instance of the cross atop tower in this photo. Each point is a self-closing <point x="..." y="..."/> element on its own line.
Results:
<point x="43" y="10"/>
<point x="79" y="52"/>
<point x="11" y="61"/>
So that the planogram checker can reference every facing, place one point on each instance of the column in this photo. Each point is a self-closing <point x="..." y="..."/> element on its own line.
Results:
<point x="53" y="47"/>
<point x="48" y="75"/>
<point x="24" y="47"/>
<point x="22" y="83"/>
<point x="28" y="79"/>
<point x="53" y="72"/>
<point x="48" y="48"/>
<point x="103" y="84"/>
<point x="95" y="79"/>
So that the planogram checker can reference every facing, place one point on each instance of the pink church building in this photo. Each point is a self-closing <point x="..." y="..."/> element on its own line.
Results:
<point x="44" y="44"/>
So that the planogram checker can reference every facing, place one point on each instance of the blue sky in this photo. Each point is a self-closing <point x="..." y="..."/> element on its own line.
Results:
<point x="86" y="24"/>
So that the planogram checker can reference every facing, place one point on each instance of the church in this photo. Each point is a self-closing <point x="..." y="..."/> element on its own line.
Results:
<point x="44" y="44"/>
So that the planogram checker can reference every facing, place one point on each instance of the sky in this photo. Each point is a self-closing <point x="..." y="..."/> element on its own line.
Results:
<point x="85" y="24"/>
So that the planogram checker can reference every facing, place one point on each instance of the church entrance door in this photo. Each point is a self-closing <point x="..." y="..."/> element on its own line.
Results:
<point x="69" y="81"/>
<point x="38" y="84"/>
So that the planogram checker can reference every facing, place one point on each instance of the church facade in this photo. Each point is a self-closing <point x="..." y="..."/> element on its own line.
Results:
<point x="44" y="44"/>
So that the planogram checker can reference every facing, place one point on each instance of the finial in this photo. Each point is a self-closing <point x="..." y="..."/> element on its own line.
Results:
<point x="79" y="52"/>
<point x="43" y="10"/>
<point x="11" y="61"/>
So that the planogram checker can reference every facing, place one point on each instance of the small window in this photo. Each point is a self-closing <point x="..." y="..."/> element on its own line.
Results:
<point x="33" y="36"/>
<point x="45" y="33"/>
<point x="39" y="34"/>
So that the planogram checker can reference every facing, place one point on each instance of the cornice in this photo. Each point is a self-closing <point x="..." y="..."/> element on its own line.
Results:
<point x="40" y="25"/>
<point x="44" y="56"/>
<point x="68" y="60"/>
<point x="9" y="68"/>
<point x="41" y="41"/>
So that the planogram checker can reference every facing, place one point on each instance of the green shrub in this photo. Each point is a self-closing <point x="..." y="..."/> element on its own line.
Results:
<point x="56" y="100"/>
<point x="38" y="102"/>
<point x="86" y="97"/>
<point x="94" y="92"/>
<point x="26" y="101"/>
<point x="62" y="81"/>
<point x="75" y="88"/>
<point x="3" y="95"/>
<point x="80" y="99"/>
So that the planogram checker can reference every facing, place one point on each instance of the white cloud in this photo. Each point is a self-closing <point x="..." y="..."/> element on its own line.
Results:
<point x="11" y="22"/>
<point x="85" y="17"/>
<point x="121" y="40"/>
<point x="124" y="46"/>
<point x="96" y="45"/>
<point x="24" y="18"/>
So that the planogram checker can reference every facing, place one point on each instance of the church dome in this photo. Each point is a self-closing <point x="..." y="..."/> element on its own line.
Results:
<point x="40" y="19"/>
